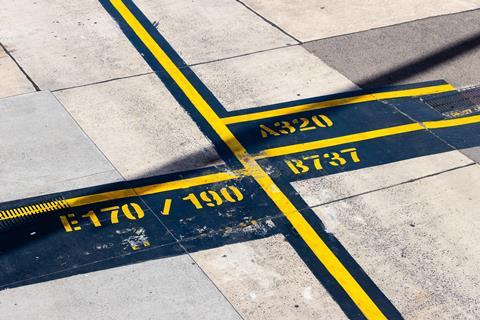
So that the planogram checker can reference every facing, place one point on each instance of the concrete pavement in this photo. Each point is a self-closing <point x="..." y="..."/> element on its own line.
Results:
<point x="106" y="118"/>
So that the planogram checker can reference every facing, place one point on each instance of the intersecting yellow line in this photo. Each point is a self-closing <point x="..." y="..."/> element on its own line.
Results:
<point x="309" y="235"/>
<point x="338" y="102"/>
<point x="44" y="207"/>
<point x="252" y="168"/>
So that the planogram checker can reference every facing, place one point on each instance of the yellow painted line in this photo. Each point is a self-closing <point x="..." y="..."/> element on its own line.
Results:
<point x="100" y="197"/>
<point x="414" y="92"/>
<point x="338" y="102"/>
<point x="152" y="189"/>
<point x="118" y="194"/>
<point x="367" y="135"/>
<point x="451" y="122"/>
<point x="225" y="176"/>
<point x="313" y="240"/>
<point x="297" y="109"/>
<point x="186" y="183"/>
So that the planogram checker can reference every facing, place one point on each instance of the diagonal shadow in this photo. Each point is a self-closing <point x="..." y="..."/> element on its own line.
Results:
<point x="407" y="70"/>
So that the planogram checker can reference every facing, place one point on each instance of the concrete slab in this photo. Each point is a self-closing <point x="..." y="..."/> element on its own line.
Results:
<point x="67" y="44"/>
<point x="216" y="30"/>
<point x="271" y="77"/>
<point x="473" y="153"/>
<point x="417" y="51"/>
<point x="44" y="150"/>
<point x="310" y="20"/>
<point x="335" y="187"/>
<point x="13" y="81"/>
<point x="139" y="126"/>
<point x="170" y="288"/>
<point x="418" y="242"/>
<point x="266" y="279"/>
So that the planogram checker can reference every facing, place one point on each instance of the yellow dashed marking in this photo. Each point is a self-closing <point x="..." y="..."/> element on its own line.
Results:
<point x="35" y="209"/>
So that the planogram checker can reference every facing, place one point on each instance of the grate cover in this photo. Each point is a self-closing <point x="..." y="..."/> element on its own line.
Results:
<point x="456" y="104"/>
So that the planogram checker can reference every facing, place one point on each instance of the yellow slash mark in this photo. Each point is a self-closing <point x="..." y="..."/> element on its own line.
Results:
<point x="308" y="234"/>
<point x="338" y="102"/>
<point x="166" y="207"/>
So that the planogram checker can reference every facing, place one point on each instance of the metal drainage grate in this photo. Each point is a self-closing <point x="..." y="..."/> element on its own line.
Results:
<point x="456" y="104"/>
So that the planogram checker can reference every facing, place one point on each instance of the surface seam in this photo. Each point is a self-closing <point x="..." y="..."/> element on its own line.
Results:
<point x="268" y="21"/>
<point x="35" y="86"/>
<point x="392" y="186"/>
<point x="90" y="139"/>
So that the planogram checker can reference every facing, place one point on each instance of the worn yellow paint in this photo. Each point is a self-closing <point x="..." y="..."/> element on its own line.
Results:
<point x="309" y="235"/>
<point x="338" y="102"/>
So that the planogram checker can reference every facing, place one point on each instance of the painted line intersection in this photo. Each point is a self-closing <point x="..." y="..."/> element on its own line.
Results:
<point x="249" y="198"/>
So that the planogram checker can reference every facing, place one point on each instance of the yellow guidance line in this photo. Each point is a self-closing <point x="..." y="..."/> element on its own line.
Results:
<point x="367" y="135"/>
<point x="301" y="147"/>
<point x="451" y="122"/>
<point x="56" y="205"/>
<point x="225" y="176"/>
<point x="308" y="234"/>
<point x="338" y="102"/>
<point x="152" y="189"/>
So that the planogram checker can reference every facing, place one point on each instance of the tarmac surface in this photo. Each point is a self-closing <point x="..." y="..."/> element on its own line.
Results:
<point x="239" y="159"/>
